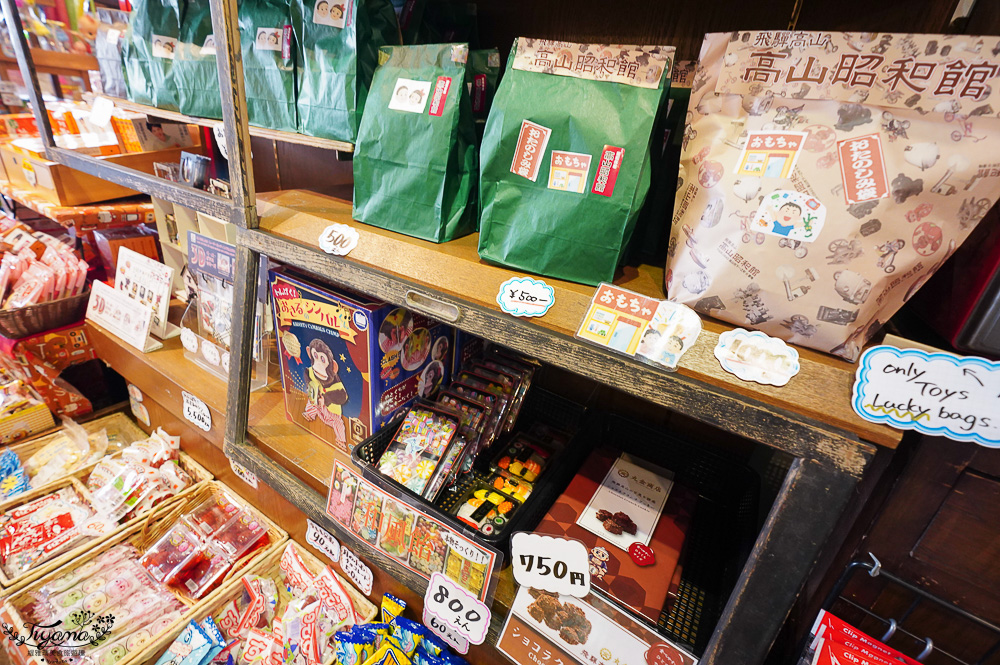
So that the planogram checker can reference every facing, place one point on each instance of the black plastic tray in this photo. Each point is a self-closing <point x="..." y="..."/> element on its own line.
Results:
<point x="539" y="406"/>
<point x="723" y="528"/>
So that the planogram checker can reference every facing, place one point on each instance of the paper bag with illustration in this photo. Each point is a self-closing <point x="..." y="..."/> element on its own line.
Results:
<point x="825" y="176"/>
<point x="268" y="51"/>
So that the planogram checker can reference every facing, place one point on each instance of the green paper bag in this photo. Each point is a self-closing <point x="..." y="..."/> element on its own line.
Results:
<point x="196" y="74"/>
<point x="268" y="63"/>
<point x="484" y="70"/>
<point x="566" y="156"/>
<point x="338" y="42"/>
<point x="415" y="160"/>
<point x="148" y="49"/>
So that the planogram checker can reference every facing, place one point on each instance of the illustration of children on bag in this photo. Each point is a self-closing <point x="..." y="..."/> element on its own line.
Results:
<point x="790" y="215"/>
<point x="327" y="13"/>
<point x="327" y="394"/>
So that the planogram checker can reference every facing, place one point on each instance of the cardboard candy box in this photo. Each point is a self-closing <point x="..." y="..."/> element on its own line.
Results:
<point x="349" y="364"/>
<point x="825" y="176"/>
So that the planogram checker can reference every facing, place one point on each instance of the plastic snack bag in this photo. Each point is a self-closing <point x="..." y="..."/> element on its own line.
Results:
<point x="338" y="45"/>
<point x="561" y="185"/>
<point x="825" y="176"/>
<point x="422" y="186"/>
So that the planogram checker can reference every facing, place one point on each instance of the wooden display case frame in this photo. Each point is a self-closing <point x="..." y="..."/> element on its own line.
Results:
<point x="810" y="420"/>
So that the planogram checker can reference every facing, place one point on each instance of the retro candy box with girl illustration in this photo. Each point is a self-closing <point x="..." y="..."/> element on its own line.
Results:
<point x="348" y="364"/>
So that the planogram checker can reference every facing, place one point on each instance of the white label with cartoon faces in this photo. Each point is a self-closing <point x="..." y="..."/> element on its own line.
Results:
<point x="268" y="39"/>
<point x="409" y="95"/>
<point x="329" y="12"/>
<point x="164" y="47"/>
<point x="790" y="214"/>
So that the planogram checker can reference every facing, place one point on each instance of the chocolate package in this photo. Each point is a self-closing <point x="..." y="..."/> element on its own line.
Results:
<point x="826" y="176"/>
<point x="349" y="364"/>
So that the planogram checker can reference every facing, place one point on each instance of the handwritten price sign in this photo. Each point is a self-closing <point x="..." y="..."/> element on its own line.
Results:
<point x="445" y="632"/>
<point x="457" y="608"/>
<point x="935" y="393"/>
<point x="322" y="540"/>
<point x="523" y="296"/>
<point x="196" y="411"/>
<point x="338" y="239"/>
<point x="356" y="569"/>
<point x="552" y="564"/>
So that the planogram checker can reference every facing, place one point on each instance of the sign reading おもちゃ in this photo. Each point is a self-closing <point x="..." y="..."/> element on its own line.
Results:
<point x="935" y="393"/>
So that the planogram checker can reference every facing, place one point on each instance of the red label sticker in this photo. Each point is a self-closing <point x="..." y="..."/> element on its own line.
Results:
<point x="441" y="89"/>
<point x="663" y="654"/>
<point x="642" y="555"/>
<point x="531" y="144"/>
<point x="286" y="42"/>
<point x="607" y="170"/>
<point x="862" y="169"/>
<point x="479" y="93"/>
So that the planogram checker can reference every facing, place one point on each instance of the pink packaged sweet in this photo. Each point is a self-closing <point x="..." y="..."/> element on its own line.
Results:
<point x="826" y="176"/>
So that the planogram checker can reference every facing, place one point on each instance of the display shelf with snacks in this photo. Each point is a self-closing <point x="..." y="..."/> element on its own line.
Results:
<point x="260" y="132"/>
<point x="731" y="600"/>
<point x="60" y="64"/>
<point x="84" y="218"/>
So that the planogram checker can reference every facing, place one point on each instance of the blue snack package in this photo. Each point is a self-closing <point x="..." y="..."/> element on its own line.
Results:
<point x="432" y="645"/>
<point x="215" y="635"/>
<point x="354" y="648"/>
<point x="421" y="657"/>
<point x="407" y="634"/>
<point x="193" y="643"/>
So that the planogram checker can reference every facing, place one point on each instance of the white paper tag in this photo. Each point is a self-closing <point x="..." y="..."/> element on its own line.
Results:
<point x="134" y="392"/>
<point x="941" y="394"/>
<point x="338" y="239"/>
<point x="189" y="340"/>
<point x="245" y="474"/>
<point x="445" y="632"/>
<point x="322" y="540"/>
<point x="112" y="35"/>
<point x="356" y="569"/>
<point x="524" y="296"/>
<point x="552" y="564"/>
<point x="756" y="356"/>
<point x="196" y="411"/>
<point x="220" y="139"/>
<point x="121" y="315"/>
<point x="139" y="410"/>
<point x="458" y="608"/>
<point x="100" y="112"/>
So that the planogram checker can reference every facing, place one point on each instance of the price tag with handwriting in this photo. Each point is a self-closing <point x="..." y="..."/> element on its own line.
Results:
<point x="356" y="569"/>
<point x="245" y="474"/>
<point x="196" y="411"/>
<point x="445" y="632"/>
<point x="338" y="239"/>
<point x="552" y="564"/>
<point x="457" y="608"/>
<point x="524" y="296"/>
<point x="322" y="540"/>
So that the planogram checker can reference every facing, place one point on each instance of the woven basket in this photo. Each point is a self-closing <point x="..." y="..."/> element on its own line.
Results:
<point x="121" y="432"/>
<point x="18" y="323"/>
<point x="268" y="567"/>
<point x="142" y="535"/>
<point x="199" y="474"/>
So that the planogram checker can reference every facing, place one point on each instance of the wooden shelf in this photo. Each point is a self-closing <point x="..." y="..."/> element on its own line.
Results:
<point x="54" y="62"/>
<point x="261" y="132"/>
<point x="395" y="267"/>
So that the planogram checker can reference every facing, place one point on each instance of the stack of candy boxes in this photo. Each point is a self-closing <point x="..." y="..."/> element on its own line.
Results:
<point x="136" y="590"/>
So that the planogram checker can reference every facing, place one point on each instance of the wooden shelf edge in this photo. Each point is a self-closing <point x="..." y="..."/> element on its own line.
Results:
<point x="79" y="62"/>
<point x="260" y="132"/>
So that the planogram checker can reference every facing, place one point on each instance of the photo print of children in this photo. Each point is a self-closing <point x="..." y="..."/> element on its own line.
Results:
<point x="268" y="39"/>
<point x="329" y="12"/>
<point x="410" y="96"/>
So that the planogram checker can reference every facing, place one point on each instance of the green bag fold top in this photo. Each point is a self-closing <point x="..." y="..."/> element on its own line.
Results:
<point x="415" y="159"/>
<point x="338" y="42"/>
<point x="565" y="158"/>
<point x="196" y="74"/>
<point x="148" y="49"/>
<point x="268" y="63"/>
